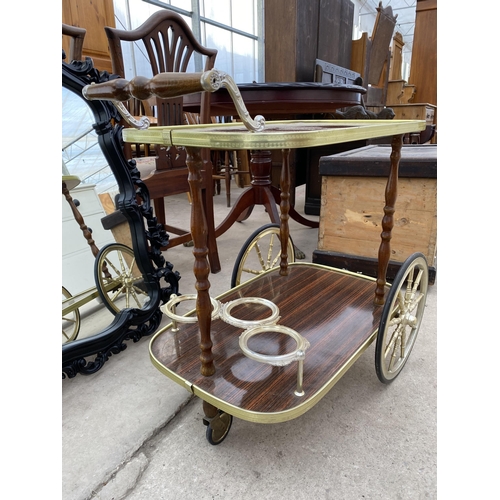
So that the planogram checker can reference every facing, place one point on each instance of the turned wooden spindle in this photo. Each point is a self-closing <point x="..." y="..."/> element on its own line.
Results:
<point x="201" y="266"/>
<point x="261" y="163"/>
<point x="391" y="193"/>
<point x="78" y="217"/>
<point x="85" y="230"/>
<point x="284" y="210"/>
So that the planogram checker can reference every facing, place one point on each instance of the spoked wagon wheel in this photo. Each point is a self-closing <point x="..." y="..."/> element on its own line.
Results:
<point x="261" y="252"/>
<point x="218" y="428"/>
<point x="118" y="278"/>
<point x="70" y="320"/>
<point x="401" y="317"/>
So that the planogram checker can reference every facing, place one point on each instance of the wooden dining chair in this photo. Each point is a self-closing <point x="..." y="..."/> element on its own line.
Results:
<point x="226" y="168"/>
<point x="225" y="164"/>
<point x="73" y="43"/>
<point x="170" y="46"/>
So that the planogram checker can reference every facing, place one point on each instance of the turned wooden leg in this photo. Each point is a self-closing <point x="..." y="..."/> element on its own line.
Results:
<point x="85" y="230"/>
<point x="284" y="211"/>
<point x="201" y="268"/>
<point x="209" y="410"/>
<point x="159" y="204"/>
<point x="391" y="193"/>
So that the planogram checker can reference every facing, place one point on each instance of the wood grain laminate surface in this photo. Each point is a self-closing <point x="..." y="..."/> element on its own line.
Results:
<point x="334" y="311"/>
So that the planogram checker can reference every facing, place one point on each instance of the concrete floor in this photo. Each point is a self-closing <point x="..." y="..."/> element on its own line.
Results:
<point x="130" y="433"/>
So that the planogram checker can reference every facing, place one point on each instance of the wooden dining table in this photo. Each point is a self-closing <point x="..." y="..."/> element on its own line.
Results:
<point x="275" y="101"/>
<point x="280" y="100"/>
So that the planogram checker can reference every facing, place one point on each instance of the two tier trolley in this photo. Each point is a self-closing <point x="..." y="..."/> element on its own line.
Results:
<point x="270" y="348"/>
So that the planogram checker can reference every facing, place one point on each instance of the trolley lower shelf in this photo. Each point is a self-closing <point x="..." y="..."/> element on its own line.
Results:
<point x="333" y="309"/>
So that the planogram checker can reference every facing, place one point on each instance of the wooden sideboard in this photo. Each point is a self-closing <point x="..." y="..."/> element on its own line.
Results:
<point x="415" y="111"/>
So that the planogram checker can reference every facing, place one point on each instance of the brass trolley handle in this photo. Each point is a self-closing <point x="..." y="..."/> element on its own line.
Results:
<point x="167" y="85"/>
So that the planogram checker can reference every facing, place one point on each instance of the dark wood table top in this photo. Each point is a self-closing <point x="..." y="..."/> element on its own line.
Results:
<point x="281" y="99"/>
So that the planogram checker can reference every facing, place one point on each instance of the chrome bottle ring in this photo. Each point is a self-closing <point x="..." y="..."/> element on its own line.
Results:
<point x="168" y="308"/>
<point x="280" y="359"/>
<point x="226" y="316"/>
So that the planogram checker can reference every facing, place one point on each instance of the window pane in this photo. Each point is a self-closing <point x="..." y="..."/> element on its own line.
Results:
<point x="182" y="4"/>
<point x="244" y="59"/>
<point x="221" y="40"/>
<point x="218" y="10"/>
<point x="243" y="16"/>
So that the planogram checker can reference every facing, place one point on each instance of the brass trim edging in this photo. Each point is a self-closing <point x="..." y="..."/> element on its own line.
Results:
<point x="260" y="417"/>
<point x="227" y="135"/>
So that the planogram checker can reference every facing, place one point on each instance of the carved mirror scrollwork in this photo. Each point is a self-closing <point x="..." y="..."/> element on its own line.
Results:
<point x="149" y="278"/>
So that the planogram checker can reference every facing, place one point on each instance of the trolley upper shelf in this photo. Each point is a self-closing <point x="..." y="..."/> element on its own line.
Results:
<point x="288" y="134"/>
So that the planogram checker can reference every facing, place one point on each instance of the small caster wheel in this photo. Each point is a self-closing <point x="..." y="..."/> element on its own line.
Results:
<point x="218" y="427"/>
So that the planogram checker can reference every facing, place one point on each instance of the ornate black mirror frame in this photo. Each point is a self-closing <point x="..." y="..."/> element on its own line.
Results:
<point x="147" y="236"/>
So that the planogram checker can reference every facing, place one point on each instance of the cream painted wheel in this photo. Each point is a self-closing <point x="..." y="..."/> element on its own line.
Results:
<point x="401" y="317"/>
<point x="70" y="320"/>
<point x="261" y="252"/>
<point x="118" y="278"/>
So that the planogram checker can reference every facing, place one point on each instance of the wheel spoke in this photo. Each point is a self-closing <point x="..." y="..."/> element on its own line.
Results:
<point x="252" y="271"/>
<point x="259" y="255"/>
<point x="270" y="250"/>
<point x="115" y="295"/>
<point x="138" y="289"/>
<point x="394" y="354"/>
<point x="122" y="262"/>
<point x="418" y="280"/>
<point x="132" y="265"/>
<point x="111" y="283"/>
<point x="409" y="283"/>
<point x="133" y="293"/>
<point x="391" y="345"/>
<point x="397" y="311"/>
<point x="395" y="321"/>
<point x="112" y="266"/>
<point x="275" y="261"/>
<point x="403" y="344"/>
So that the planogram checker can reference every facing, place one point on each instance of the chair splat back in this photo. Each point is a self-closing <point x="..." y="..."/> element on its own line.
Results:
<point x="170" y="46"/>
